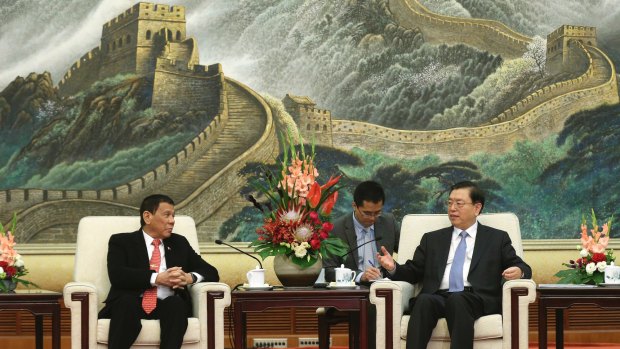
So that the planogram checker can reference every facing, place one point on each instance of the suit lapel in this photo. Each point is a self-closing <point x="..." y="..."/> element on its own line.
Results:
<point x="169" y="254"/>
<point x="140" y="247"/>
<point x="349" y="231"/>
<point x="480" y="246"/>
<point x="443" y="250"/>
<point x="379" y="229"/>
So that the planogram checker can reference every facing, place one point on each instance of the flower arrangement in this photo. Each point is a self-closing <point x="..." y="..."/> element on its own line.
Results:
<point x="594" y="255"/>
<point x="297" y="213"/>
<point x="12" y="266"/>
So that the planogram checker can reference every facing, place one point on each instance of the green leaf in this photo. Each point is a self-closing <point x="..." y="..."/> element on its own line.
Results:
<point x="568" y="276"/>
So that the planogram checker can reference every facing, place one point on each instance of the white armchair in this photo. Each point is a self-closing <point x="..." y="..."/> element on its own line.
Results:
<point x="391" y="298"/>
<point x="85" y="295"/>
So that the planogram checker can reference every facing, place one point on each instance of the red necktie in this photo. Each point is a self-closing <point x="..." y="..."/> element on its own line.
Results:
<point x="149" y="299"/>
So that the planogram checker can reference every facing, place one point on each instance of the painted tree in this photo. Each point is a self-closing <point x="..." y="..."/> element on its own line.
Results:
<point x="537" y="52"/>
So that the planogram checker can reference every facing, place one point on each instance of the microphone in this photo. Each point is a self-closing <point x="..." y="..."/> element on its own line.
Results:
<point x="220" y="242"/>
<point x="355" y="249"/>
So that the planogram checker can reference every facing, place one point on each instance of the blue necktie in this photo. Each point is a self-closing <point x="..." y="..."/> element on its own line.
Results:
<point x="456" y="271"/>
<point x="369" y="255"/>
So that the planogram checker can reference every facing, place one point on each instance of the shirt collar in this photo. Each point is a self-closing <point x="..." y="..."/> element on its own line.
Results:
<point x="359" y="227"/>
<point x="147" y="238"/>
<point x="471" y="231"/>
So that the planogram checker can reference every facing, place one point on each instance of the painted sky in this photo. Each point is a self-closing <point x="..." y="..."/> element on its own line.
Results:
<point x="40" y="35"/>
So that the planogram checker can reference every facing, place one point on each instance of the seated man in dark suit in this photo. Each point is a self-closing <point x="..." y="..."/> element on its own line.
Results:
<point x="461" y="268"/>
<point x="149" y="270"/>
<point x="367" y="222"/>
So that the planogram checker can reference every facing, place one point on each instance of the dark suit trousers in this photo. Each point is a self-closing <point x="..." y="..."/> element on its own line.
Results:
<point x="125" y="315"/>
<point x="461" y="310"/>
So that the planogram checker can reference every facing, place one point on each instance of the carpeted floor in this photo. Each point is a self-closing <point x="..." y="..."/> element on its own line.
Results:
<point x="535" y="346"/>
<point x="581" y="346"/>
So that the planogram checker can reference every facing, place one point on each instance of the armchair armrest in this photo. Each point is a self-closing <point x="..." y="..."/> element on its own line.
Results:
<point x="209" y="299"/>
<point x="391" y="299"/>
<point x="82" y="299"/>
<point x="516" y="297"/>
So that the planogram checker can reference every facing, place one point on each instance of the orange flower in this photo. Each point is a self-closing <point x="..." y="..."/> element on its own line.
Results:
<point x="314" y="195"/>
<point x="329" y="203"/>
<point x="332" y="181"/>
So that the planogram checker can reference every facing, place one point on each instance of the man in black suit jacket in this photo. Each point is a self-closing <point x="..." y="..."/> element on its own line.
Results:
<point x="130" y="274"/>
<point x="367" y="222"/>
<point x="489" y="257"/>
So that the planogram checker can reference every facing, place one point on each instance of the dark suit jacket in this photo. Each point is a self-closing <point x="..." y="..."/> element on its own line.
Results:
<point x="493" y="253"/>
<point x="386" y="228"/>
<point x="128" y="265"/>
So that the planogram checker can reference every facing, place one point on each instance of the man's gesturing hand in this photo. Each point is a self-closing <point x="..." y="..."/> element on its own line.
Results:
<point x="386" y="260"/>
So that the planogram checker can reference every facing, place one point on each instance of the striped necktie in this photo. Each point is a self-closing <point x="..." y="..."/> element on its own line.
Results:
<point x="149" y="299"/>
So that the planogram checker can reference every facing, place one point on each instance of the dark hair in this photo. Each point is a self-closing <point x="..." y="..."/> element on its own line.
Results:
<point x="151" y="204"/>
<point x="368" y="191"/>
<point x="475" y="193"/>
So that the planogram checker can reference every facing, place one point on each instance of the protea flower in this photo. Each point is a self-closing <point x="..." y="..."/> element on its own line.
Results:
<point x="303" y="232"/>
<point x="290" y="215"/>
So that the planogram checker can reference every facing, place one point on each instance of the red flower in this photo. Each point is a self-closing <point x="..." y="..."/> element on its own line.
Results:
<point x="314" y="194"/>
<point x="332" y="181"/>
<point x="315" y="243"/>
<point x="329" y="203"/>
<point x="10" y="271"/>
<point x="323" y="234"/>
<point x="328" y="226"/>
<point x="314" y="217"/>
<point x="598" y="257"/>
<point x="4" y="264"/>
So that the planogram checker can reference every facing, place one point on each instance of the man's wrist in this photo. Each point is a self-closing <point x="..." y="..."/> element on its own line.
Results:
<point x="194" y="278"/>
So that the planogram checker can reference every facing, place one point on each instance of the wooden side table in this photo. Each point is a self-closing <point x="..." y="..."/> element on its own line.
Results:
<point x="560" y="297"/>
<point x="39" y="303"/>
<point x="352" y="300"/>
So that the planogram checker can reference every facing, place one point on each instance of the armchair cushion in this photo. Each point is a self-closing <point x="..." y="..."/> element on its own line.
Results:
<point x="149" y="335"/>
<point x="486" y="327"/>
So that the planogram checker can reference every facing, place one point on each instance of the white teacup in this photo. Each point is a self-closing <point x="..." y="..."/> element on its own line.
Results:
<point x="256" y="277"/>
<point x="344" y="276"/>
<point x="612" y="274"/>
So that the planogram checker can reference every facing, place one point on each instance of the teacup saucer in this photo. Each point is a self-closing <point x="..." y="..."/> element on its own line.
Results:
<point x="609" y="285"/>
<point x="345" y="286"/>
<point x="264" y="287"/>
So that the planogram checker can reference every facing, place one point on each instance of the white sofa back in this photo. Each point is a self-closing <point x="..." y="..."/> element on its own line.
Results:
<point x="416" y="225"/>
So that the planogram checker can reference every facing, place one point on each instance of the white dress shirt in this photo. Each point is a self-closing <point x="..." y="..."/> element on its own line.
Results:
<point x="456" y="239"/>
<point x="363" y="235"/>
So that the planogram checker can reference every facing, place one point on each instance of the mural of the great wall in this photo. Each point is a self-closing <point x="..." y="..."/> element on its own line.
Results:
<point x="108" y="102"/>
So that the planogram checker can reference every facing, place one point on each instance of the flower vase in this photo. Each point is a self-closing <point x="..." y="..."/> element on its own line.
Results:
<point x="292" y="275"/>
<point x="9" y="286"/>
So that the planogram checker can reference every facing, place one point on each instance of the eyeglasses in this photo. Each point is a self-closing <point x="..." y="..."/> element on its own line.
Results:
<point x="370" y="214"/>
<point x="458" y="204"/>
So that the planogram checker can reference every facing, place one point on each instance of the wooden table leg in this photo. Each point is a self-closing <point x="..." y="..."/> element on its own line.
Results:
<point x="559" y="328"/>
<point x="542" y="325"/>
<point x="56" y="327"/>
<point x="239" y="327"/>
<point x="363" y="324"/>
<point x="324" y="331"/>
<point x="38" y="331"/>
